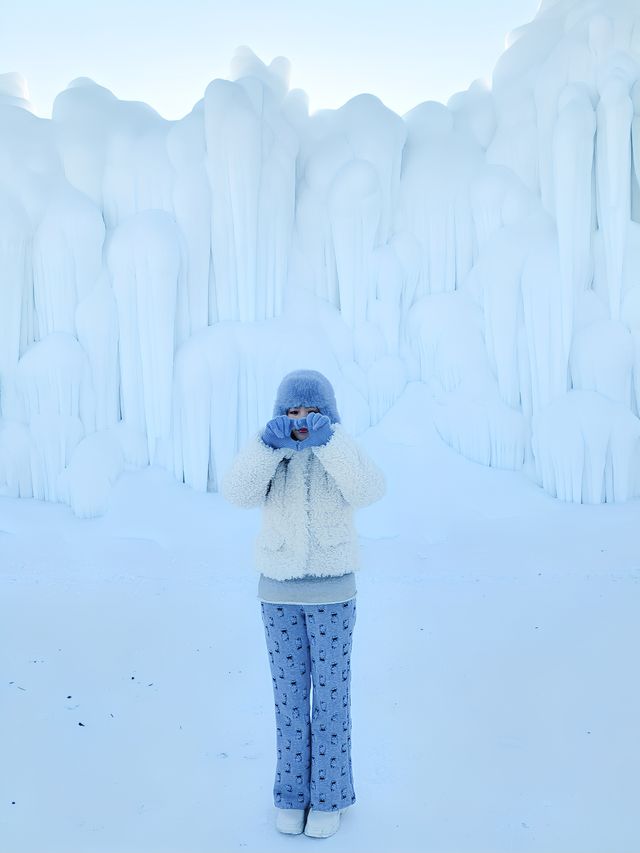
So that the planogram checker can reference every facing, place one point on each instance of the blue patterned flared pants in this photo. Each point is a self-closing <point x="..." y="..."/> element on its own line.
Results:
<point x="310" y="645"/>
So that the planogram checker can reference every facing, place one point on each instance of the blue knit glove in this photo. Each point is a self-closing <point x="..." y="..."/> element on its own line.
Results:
<point x="319" y="429"/>
<point x="277" y="433"/>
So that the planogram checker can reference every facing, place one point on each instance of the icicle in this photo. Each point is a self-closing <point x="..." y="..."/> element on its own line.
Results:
<point x="144" y="260"/>
<point x="613" y="168"/>
<point x="14" y="245"/>
<point x="67" y="259"/>
<point x="572" y="174"/>
<point x="587" y="449"/>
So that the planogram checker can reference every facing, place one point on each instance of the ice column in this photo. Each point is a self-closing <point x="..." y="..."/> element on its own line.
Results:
<point x="572" y="181"/>
<point x="548" y="357"/>
<point x="635" y="128"/>
<point x="251" y="152"/>
<point x="377" y="135"/>
<point x="355" y="206"/>
<point x="97" y="331"/>
<point x="613" y="170"/>
<point x="324" y="151"/>
<point x="54" y="399"/>
<point x="144" y="261"/>
<point x="83" y="117"/>
<point x="438" y="165"/>
<point x="587" y="449"/>
<point x="571" y="61"/>
<point x="602" y="360"/>
<point x="67" y="259"/>
<point x="631" y="318"/>
<point x="15" y="232"/>
<point x="137" y="174"/>
<point x="192" y="209"/>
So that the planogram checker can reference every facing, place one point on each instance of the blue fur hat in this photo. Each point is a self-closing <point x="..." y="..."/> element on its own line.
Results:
<point x="306" y="388"/>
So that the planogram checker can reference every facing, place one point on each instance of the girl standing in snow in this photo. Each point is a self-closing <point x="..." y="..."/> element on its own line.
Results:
<point x="309" y="475"/>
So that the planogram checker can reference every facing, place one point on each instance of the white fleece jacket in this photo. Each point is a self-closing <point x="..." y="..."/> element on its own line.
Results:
<point x="308" y="497"/>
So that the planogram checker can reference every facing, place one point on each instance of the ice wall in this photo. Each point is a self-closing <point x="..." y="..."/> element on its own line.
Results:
<point x="159" y="277"/>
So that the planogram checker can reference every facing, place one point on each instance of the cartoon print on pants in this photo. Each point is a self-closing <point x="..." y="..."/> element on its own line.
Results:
<point x="309" y="648"/>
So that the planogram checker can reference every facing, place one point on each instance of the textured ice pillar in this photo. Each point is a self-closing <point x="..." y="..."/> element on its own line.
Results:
<point x="600" y="36"/>
<point x="313" y="261"/>
<point x="67" y="259"/>
<point x="602" y="360"/>
<point x="97" y="331"/>
<point x="15" y="234"/>
<point x="407" y="249"/>
<point x="376" y="134"/>
<point x="138" y="174"/>
<point x="499" y="272"/>
<point x="276" y="209"/>
<point x="547" y="350"/>
<point x="30" y="167"/>
<point x="96" y="463"/>
<point x="144" y="261"/>
<point x="276" y="76"/>
<point x="630" y="315"/>
<point x="587" y="448"/>
<point x="438" y="164"/>
<point x="192" y="209"/>
<point x="384" y="309"/>
<point x="192" y="417"/>
<point x="498" y="198"/>
<point x="474" y="112"/>
<point x="446" y="331"/>
<point x="613" y="170"/>
<point x="14" y="90"/>
<point x="571" y="61"/>
<point x="234" y="159"/>
<point x="15" y="460"/>
<point x="635" y="129"/>
<point x="514" y="143"/>
<point x="53" y="377"/>
<point x="468" y="414"/>
<point x="355" y="149"/>
<point x="251" y="153"/>
<point x="630" y="266"/>
<point x="483" y="429"/>
<point x="386" y="380"/>
<point x="54" y="398"/>
<point x="572" y="181"/>
<point x="506" y="218"/>
<point x="83" y="116"/>
<point x="355" y="206"/>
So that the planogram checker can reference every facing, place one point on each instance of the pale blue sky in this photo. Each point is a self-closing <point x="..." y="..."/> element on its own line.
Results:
<point x="165" y="53"/>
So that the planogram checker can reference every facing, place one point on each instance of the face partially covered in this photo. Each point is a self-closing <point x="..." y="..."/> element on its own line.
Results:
<point x="301" y="412"/>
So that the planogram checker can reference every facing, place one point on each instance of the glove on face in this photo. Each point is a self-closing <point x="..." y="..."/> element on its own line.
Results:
<point x="319" y="429"/>
<point x="277" y="433"/>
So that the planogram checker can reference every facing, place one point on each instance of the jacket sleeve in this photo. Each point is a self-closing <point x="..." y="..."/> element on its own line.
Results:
<point x="357" y="476"/>
<point x="245" y="482"/>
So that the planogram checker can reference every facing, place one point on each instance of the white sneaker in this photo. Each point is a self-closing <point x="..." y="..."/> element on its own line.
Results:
<point x="290" y="821"/>
<point x="322" y="824"/>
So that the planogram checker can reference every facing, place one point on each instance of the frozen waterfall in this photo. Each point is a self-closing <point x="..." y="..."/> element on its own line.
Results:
<point x="159" y="277"/>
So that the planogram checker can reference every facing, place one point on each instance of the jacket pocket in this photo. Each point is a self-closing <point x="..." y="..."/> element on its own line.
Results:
<point x="335" y="534"/>
<point x="271" y="539"/>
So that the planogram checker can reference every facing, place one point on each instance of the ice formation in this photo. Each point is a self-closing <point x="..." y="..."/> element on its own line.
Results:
<point x="160" y="276"/>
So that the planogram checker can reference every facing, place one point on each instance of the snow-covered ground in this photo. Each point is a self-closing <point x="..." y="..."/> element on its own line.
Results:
<point x="495" y="697"/>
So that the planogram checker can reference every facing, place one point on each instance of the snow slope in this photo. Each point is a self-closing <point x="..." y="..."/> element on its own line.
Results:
<point x="495" y="704"/>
